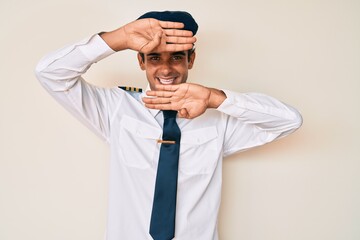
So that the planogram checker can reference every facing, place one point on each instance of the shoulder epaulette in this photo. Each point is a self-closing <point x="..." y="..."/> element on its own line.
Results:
<point x="131" y="89"/>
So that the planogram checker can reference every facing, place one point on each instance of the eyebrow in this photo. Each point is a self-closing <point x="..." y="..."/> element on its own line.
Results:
<point x="179" y="53"/>
<point x="174" y="53"/>
<point x="153" y="54"/>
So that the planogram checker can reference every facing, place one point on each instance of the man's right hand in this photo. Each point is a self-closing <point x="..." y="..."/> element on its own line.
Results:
<point x="150" y="35"/>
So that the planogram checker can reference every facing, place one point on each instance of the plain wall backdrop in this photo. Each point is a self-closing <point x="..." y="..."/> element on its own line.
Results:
<point x="53" y="170"/>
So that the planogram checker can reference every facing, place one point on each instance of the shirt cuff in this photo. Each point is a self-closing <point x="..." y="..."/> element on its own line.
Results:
<point x="95" y="49"/>
<point x="232" y="99"/>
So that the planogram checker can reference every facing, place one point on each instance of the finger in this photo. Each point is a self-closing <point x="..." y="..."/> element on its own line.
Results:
<point x="159" y="106"/>
<point x="164" y="94"/>
<point x="183" y="113"/>
<point x="168" y="24"/>
<point x="180" y="39"/>
<point x="156" y="100"/>
<point x="178" y="47"/>
<point x="149" y="46"/>
<point x="178" y="33"/>
<point x="162" y="87"/>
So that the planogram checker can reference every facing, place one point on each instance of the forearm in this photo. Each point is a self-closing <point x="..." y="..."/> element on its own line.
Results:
<point x="262" y="111"/>
<point x="116" y="40"/>
<point x="216" y="98"/>
<point x="59" y="70"/>
<point x="60" y="74"/>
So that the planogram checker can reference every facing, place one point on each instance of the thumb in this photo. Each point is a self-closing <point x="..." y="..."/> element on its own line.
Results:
<point x="183" y="113"/>
<point x="149" y="46"/>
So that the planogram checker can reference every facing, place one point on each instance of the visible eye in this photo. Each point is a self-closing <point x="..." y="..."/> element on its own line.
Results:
<point x="154" y="58"/>
<point x="177" y="58"/>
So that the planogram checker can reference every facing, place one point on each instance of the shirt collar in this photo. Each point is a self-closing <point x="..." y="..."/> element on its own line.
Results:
<point x="153" y="112"/>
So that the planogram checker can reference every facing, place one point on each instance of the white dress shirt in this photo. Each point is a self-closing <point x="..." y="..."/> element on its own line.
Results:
<point x="241" y="122"/>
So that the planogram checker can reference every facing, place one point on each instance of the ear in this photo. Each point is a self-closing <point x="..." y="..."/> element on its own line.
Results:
<point x="192" y="60"/>
<point x="141" y="61"/>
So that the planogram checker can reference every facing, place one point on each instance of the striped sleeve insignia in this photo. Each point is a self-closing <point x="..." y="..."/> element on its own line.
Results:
<point x="131" y="89"/>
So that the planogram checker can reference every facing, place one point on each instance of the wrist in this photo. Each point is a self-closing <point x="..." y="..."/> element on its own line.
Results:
<point x="116" y="39"/>
<point x="217" y="97"/>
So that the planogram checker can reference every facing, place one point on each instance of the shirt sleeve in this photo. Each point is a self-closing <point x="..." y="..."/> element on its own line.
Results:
<point x="61" y="72"/>
<point x="255" y="119"/>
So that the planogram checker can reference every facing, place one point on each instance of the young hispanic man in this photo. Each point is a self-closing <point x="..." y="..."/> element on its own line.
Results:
<point x="168" y="142"/>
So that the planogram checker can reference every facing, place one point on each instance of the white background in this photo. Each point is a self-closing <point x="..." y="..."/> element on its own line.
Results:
<point x="53" y="171"/>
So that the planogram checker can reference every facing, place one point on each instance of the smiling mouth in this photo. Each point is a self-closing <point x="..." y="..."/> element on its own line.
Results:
<point x="166" y="81"/>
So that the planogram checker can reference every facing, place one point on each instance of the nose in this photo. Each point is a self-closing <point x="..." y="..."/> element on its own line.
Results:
<point x="166" y="69"/>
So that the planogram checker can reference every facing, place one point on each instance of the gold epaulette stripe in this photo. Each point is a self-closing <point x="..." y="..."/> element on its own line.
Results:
<point x="131" y="89"/>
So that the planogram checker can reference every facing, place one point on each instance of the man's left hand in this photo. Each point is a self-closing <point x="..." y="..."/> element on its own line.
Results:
<point x="190" y="100"/>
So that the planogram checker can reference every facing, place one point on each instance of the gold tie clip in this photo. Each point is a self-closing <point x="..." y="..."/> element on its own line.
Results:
<point x="166" y="141"/>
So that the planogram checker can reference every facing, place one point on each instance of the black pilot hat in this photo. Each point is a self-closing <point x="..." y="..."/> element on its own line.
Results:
<point x="174" y="16"/>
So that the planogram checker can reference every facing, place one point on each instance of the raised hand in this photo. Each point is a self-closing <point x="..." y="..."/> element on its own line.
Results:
<point x="190" y="100"/>
<point x="150" y="35"/>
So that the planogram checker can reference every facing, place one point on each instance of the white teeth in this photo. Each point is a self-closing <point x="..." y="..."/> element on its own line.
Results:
<point x="166" y="80"/>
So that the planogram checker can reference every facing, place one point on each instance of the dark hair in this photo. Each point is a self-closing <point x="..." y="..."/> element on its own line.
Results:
<point x="190" y="51"/>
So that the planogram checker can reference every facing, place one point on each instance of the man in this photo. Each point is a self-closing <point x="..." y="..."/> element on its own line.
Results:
<point x="212" y="124"/>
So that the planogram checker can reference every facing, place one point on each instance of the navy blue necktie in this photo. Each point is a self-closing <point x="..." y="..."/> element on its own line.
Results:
<point x="162" y="224"/>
